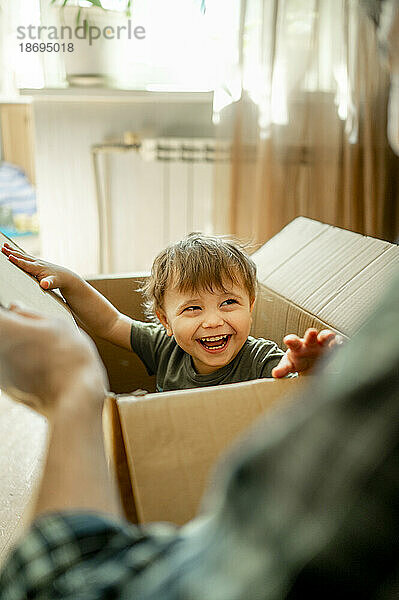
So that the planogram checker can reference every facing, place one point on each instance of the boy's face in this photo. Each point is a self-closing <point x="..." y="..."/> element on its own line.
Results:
<point x="195" y="318"/>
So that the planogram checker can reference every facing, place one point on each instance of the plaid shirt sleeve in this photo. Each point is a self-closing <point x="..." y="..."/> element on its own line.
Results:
<point x="81" y="555"/>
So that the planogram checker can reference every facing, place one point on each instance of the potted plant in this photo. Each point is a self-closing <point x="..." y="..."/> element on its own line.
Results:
<point x="98" y="4"/>
<point x="93" y="58"/>
<point x="99" y="61"/>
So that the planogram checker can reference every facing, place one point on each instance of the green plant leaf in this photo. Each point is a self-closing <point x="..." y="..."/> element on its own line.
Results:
<point x="96" y="3"/>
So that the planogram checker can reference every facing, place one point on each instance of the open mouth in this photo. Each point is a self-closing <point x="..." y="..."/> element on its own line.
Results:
<point x="215" y="343"/>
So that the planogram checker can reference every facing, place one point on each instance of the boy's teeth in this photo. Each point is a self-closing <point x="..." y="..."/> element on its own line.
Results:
<point x="215" y="342"/>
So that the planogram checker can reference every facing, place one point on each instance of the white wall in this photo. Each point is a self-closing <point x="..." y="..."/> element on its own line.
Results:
<point x="64" y="134"/>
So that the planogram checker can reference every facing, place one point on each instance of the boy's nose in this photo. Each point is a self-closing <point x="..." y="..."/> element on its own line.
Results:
<point x="212" y="320"/>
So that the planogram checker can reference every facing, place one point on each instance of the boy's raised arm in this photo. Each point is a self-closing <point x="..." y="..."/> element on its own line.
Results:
<point x="93" y="310"/>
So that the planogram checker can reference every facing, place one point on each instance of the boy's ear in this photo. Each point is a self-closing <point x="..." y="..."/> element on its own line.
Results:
<point x="162" y="317"/>
<point x="251" y="305"/>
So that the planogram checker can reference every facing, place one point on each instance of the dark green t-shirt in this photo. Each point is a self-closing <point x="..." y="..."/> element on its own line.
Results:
<point x="174" y="369"/>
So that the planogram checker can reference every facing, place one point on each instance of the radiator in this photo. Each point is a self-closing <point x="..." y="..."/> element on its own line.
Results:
<point x="150" y="193"/>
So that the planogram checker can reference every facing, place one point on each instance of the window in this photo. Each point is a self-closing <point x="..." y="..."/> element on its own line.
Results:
<point x="184" y="49"/>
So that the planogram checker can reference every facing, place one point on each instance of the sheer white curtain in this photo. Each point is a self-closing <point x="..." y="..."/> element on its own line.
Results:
<point x="7" y="84"/>
<point x="18" y="69"/>
<point x="307" y="120"/>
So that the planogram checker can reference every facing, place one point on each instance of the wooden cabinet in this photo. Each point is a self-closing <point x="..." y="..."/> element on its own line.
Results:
<point x="16" y="124"/>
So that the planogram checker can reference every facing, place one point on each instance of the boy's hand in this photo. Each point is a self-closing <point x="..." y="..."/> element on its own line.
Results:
<point x="50" y="276"/>
<point x="303" y="352"/>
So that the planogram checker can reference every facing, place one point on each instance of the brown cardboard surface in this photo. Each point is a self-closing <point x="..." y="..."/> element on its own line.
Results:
<point x="332" y="273"/>
<point x="116" y="456"/>
<point x="351" y="306"/>
<point x="312" y="275"/>
<point x="16" y="285"/>
<point x="280" y="248"/>
<point x="274" y="316"/>
<point x="173" y="440"/>
<point x="126" y="372"/>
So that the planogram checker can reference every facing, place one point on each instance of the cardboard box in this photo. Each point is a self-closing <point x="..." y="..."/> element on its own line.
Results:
<point x="311" y="275"/>
<point x="172" y="441"/>
<point x="16" y="285"/>
<point x="163" y="446"/>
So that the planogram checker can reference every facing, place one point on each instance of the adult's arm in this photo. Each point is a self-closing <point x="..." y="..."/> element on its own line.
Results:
<point x="54" y="368"/>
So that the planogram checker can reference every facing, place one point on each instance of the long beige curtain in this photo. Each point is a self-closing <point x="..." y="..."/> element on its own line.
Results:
<point x="305" y="112"/>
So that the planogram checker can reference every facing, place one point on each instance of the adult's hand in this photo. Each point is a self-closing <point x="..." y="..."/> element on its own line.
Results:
<point x="41" y="359"/>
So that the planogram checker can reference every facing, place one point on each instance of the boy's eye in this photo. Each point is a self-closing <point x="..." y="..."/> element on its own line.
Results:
<point x="230" y="301"/>
<point x="191" y="308"/>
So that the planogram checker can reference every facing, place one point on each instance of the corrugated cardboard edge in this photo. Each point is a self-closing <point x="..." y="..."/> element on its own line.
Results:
<point x="54" y="295"/>
<point x="129" y="470"/>
<point x="326" y="271"/>
<point x="115" y="450"/>
<point x="305" y="319"/>
<point x="125" y="370"/>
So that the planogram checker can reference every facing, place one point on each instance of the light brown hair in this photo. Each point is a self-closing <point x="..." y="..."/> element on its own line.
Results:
<point x="199" y="262"/>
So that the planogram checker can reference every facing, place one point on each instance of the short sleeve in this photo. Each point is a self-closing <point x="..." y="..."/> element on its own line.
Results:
<point x="147" y="341"/>
<point x="271" y="360"/>
<point x="80" y="555"/>
<point x="264" y="355"/>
